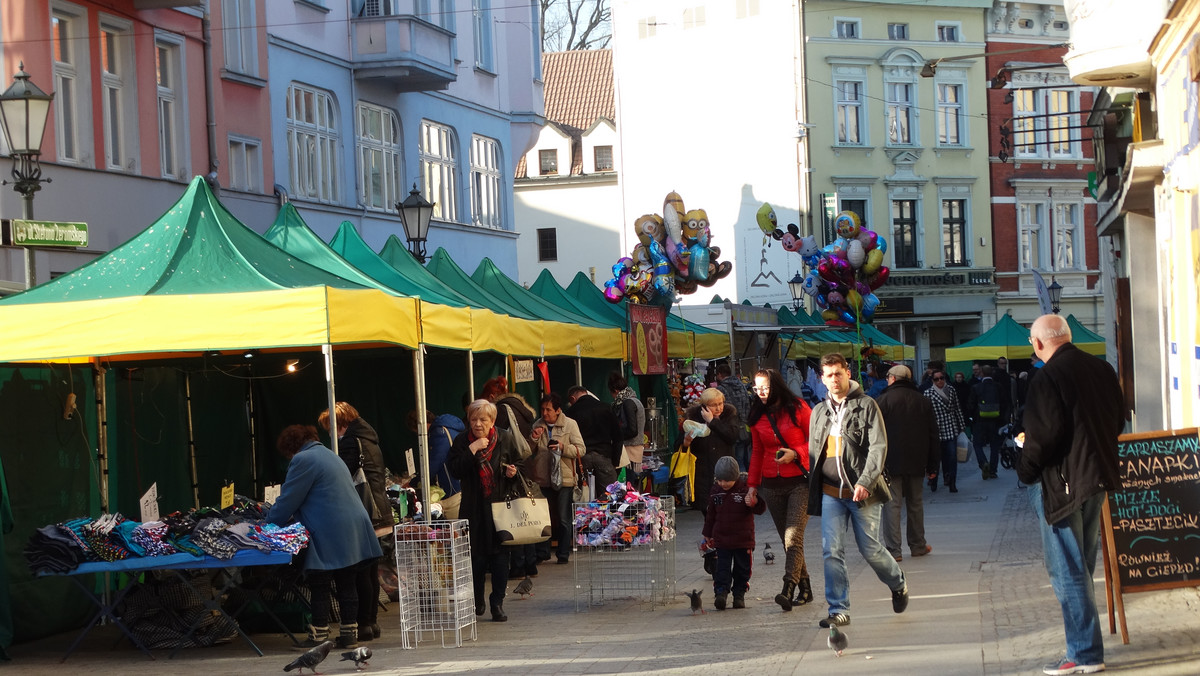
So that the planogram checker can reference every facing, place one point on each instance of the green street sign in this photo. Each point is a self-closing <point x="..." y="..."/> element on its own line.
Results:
<point x="49" y="233"/>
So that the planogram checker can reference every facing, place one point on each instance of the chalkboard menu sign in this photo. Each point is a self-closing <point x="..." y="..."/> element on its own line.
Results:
<point x="1154" y="518"/>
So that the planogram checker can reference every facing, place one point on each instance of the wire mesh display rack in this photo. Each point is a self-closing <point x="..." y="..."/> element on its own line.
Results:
<point x="624" y="550"/>
<point x="433" y="566"/>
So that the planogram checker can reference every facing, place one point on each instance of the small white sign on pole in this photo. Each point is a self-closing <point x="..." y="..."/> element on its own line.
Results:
<point x="409" y="463"/>
<point x="271" y="494"/>
<point x="149" y="504"/>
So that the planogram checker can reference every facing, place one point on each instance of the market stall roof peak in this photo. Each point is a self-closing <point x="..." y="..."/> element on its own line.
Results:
<point x="290" y="233"/>
<point x="348" y="244"/>
<point x="197" y="246"/>
<point x="500" y="285"/>
<point x="395" y="254"/>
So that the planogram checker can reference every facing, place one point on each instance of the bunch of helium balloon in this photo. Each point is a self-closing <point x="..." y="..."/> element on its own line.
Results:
<point x="842" y="276"/>
<point x="673" y="255"/>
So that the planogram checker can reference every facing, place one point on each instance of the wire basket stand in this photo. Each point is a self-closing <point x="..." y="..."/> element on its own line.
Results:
<point x="433" y="566"/>
<point x="639" y="562"/>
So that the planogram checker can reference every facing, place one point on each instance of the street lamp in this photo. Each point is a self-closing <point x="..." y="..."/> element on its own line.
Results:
<point x="1055" y="291"/>
<point x="24" y="110"/>
<point x="796" y="288"/>
<point x="415" y="212"/>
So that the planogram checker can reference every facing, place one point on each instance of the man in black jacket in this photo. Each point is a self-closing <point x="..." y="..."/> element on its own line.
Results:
<point x="601" y="432"/>
<point x="913" y="452"/>
<point x="1073" y="417"/>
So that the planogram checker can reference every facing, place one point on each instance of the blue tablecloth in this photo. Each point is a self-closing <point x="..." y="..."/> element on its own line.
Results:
<point x="181" y="561"/>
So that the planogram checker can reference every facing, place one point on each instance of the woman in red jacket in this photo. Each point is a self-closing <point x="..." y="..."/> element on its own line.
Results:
<point x="778" y="423"/>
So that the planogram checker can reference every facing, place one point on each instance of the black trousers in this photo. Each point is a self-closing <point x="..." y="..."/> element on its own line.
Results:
<point x="733" y="571"/>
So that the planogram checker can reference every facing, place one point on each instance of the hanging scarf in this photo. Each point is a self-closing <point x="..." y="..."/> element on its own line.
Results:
<point x="941" y="392"/>
<point x="486" y="477"/>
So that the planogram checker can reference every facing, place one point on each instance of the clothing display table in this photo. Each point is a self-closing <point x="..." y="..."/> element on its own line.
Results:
<point x="175" y="563"/>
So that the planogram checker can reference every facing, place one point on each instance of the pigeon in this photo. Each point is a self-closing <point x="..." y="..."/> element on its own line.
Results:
<point x="359" y="656"/>
<point x="525" y="588"/>
<point x="837" y="641"/>
<point x="311" y="659"/>
<point x="768" y="555"/>
<point x="697" y="604"/>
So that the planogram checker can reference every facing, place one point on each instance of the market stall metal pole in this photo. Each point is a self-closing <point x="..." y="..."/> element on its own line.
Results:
<point x="327" y="353"/>
<point x="98" y="381"/>
<point x="191" y="439"/>
<point x="422" y="429"/>
<point x="471" y="375"/>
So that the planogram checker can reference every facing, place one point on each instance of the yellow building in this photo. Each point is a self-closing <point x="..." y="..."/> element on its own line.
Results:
<point x="903" y="143"/>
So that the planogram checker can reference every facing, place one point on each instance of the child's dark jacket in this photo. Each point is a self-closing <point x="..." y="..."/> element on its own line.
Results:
<point x="729" y="522"/>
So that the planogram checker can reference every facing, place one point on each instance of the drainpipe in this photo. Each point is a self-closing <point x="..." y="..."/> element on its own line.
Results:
<point x="210" y="111"/>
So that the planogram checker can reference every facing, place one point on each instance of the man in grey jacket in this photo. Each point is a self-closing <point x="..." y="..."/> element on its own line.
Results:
<point x="847" y="447"/>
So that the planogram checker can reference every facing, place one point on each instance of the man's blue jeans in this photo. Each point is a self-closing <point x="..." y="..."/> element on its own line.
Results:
<point x="1069" y="547"/>
<point x="838" y="516"/>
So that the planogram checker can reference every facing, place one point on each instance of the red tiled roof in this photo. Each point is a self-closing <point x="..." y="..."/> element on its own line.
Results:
<point x="579" y="87"/>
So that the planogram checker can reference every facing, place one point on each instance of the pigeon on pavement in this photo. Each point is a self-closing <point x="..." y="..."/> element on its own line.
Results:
<point x="359" y="656"/>
<point x="525" y="588"/>
<point x="768" y="555"/>
<point x="837" y="641"/>
<point x="311" y="659"/>
<point x="697" y="604"/>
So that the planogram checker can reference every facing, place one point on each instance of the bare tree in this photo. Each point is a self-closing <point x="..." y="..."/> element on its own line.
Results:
<point x="575" y="24"/>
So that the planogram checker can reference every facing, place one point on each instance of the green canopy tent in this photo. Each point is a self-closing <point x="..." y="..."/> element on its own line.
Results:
<point x="1085" y="339"/>
<point x="1006" y="339"/>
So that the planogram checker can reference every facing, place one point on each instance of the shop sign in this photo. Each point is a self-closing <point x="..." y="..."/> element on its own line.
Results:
<point x="523" y="370"/>
<point x="48" y="233"/>
<point x="934" y="279"/>
<point x="648" y="339"/>
<point x="895" y="307"/>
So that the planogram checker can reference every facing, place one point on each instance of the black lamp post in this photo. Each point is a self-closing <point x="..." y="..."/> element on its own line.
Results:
<point x="796" y="288"/>
<point x="415" y="212"/>
<point x="24" y="110"/>
<point x="1055" y="290"/>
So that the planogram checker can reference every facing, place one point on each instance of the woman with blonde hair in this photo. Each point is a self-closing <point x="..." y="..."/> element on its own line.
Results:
<point x="721" y="419"/>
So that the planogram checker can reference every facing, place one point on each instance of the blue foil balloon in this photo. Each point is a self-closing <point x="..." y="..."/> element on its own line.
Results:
<point x="881" y="245"/>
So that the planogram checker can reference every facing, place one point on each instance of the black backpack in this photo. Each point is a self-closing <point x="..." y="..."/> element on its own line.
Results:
<point x="987" y="393"/>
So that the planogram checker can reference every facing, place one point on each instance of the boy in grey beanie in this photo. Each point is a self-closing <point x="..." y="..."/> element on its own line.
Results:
<point x="729" y="526"/>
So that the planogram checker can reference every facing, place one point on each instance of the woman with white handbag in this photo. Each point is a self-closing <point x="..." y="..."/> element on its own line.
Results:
<point x="484" y="459"/>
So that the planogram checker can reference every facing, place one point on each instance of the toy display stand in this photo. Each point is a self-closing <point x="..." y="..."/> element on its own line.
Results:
<point x="624" y="549"/>
<point x="436" y="596"/>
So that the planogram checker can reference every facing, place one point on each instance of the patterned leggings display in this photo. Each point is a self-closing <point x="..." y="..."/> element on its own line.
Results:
<point x="788" y="506"/>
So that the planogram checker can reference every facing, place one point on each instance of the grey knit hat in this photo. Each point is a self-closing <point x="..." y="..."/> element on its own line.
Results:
<point x="727" y="469"/>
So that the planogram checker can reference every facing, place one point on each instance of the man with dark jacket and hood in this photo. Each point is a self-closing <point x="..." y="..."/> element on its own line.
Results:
<point x="1073" y="416"/>
<point x="847" y="448"/>
<point x="913" y="453"/>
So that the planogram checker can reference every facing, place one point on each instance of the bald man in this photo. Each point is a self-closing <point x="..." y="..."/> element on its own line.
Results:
<point x="1073" y="416"/>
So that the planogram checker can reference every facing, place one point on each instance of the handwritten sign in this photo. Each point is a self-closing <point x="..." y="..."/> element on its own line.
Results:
<point x="271" y="494"/>
<point x="409" y="464"/>
<point x="227" y="496"/>
<point x="149" y="504"/>
<point x="1155" y="515"/>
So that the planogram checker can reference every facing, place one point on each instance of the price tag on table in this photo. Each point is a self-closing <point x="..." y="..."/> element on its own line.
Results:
<point x="227" y="496"/>
<point x="271" y="493"/>
<point x="149" y="504"/>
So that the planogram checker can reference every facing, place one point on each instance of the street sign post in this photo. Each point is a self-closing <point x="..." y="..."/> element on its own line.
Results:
<point x="49" y="233"/>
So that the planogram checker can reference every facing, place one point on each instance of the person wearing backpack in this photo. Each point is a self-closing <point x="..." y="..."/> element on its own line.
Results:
<point x="632" y="417"/>
<point x="986" y="404"/>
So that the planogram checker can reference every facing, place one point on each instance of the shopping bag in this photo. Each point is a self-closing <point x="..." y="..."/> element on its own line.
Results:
<point x="964" y="446"/>
<point x="683" y="477"/>
<point x="522" y="519"/>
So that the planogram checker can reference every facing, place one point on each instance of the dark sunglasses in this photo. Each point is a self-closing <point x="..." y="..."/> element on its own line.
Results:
<point x="937" y="378"/>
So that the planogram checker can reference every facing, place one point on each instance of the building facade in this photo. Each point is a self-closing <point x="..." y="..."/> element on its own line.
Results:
<point x="340" y="106"/>
<point x="1040" y="147"/>
<point x="898" y="106"/>
<point x="566" y="193"/>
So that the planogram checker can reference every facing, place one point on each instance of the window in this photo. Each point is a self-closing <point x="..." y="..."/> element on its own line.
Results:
<point x="1030" y="222"/>
<point x="482" y="13"/>
<point x="380" y="177"/>
<point x="440" y="12"/>
<point x="954" y="232"/>
<point x="647" y="28"/>
<point x="312" y="141"/>
<point x="1041" y="123"/>
<point x="547" y="245"/>
<point x="897" y="31"/>
<point x="693" y="17"/>
<point x="68" y="43"/>
<point x="847" y="28"/>
<point x="547" y="162"/>
<point x="1067" y="237"/>
<point x="245" y="164"/>
<point x="747" y="8"/>
<point x="904" y="233"/>
<point x="849" y="112"/>
<point x="947" y="32"/>
<point x="603" y="158"/>
<point x="118" y="106"/>
<point x="899" y="113"/>
<point x="486" y="183"/>
<point x="949" y="114"/>
<point x="171" y="135"/>
<point x="859" y="207"/>
<point x="241" y="43"/>
<point x="439" y="169"/>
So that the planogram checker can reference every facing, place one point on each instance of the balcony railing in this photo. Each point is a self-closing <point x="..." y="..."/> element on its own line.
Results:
<point x="404" y="51"/>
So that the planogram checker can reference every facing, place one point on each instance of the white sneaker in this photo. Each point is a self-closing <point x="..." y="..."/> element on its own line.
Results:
<point x="1066" y="666"/>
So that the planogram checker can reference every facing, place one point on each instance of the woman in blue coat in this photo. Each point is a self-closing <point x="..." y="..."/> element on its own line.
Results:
<point x="319" y="493"/>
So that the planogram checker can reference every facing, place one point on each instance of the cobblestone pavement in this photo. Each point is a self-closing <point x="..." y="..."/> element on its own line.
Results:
<point x="981" y="604"/>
